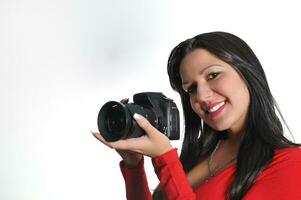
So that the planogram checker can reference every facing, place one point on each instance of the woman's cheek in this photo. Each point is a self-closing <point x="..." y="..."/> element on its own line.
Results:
<point x="196" y="107"/>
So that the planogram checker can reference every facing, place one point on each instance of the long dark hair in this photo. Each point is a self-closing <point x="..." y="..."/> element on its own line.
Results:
<point x="264" y="131"/>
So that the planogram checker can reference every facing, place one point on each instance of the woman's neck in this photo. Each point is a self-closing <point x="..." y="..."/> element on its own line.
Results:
<point x="233" y="141"/>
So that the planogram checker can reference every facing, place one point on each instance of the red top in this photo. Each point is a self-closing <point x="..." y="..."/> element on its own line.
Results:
<point x="281" y="180"/>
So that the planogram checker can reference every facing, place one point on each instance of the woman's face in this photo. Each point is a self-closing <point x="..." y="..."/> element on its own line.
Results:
<point x="217" y="93"/>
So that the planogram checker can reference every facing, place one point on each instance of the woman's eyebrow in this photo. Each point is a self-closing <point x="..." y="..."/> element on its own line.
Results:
<point x="212" y="65"/>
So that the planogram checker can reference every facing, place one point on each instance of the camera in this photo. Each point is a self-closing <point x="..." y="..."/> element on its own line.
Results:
<point x="115" y="119"/>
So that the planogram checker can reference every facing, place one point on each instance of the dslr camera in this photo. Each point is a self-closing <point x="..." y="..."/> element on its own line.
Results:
<point x="115" y="119"/>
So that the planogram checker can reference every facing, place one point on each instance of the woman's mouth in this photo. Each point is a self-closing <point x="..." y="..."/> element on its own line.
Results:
<point x="216" y="109"/>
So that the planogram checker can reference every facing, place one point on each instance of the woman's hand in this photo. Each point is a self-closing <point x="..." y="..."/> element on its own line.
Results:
<point x="152" y="144"/>
<point x="131" y="159"/>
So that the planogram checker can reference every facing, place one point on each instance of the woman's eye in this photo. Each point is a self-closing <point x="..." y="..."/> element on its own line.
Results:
<point x="213" y="75"/>
<point x="191" y="89"/>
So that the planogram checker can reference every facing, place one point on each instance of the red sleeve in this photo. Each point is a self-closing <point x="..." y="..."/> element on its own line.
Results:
<point x="136" y="182"/>
<point x="172" y="177"/>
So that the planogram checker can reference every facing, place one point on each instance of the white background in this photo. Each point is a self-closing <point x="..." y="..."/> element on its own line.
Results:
<point x="61" y="60"/>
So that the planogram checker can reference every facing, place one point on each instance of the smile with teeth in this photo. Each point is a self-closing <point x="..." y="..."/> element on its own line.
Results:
<point x="215" y="108"/>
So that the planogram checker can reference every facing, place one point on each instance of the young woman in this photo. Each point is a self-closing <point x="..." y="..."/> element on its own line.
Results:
<point x="233" y="148"/>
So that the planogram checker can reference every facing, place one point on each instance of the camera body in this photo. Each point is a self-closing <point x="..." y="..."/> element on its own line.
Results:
<point x="115" y="119"/>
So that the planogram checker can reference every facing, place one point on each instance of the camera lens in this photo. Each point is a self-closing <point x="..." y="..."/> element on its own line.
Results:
<point x="115" y="120"/>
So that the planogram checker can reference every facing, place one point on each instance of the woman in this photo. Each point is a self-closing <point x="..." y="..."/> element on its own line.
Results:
<point x="233" y="146"/>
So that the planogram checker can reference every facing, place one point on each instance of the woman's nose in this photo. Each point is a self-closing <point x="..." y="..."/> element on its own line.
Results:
<point x="204" y="93"/>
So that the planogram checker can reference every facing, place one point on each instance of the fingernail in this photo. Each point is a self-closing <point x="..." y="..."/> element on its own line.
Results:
<point x="137" y="116"/>
<point x="93" y="133"/>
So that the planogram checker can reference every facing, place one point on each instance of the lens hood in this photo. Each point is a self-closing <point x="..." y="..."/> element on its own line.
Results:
<point x="114" y="121"/>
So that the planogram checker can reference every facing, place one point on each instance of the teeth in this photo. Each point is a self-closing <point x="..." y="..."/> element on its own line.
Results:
<point x="215" y="108"/>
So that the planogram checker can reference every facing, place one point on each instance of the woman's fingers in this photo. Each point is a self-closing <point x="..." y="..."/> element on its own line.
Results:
<point x="101" y="139"/>
<point x="152" y="144"/>
<point x="145" y="124"/>
<point x="127" y="144"/>
<point x="124" y="101"/>
<point x="155" y="143"/>
<point x="98" y="136"/>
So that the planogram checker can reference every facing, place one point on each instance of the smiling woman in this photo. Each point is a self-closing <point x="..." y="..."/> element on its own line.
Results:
<point x="233" y="148"/>
<point x="218" y="104"/>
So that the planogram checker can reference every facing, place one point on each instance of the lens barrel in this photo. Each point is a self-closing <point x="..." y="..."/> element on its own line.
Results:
<point x="115" y="120"/>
